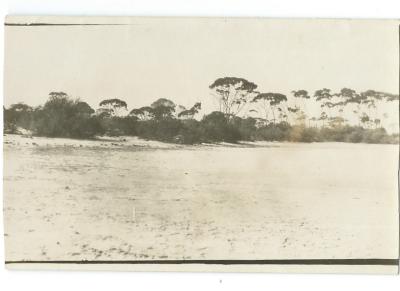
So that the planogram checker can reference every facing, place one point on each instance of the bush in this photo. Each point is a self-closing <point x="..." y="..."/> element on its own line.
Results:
<point x="246" y="127"/>
<point x="355" y="136"/>
<point x="190" y="132"/>
<point x="273" y="132"/>
<point x="216" y="127"/>
<point x="18" y="115"/>
<point x="116" y="126"/>
<point x="378" y="135"/>
<point x="300" y="133"/>
<point x="86" y="127"/>
<point x="162" y="130"/>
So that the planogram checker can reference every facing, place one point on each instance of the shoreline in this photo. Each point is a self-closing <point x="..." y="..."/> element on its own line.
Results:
<point x="122" y="142"/>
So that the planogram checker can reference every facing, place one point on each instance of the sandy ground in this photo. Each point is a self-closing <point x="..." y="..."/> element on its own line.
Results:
<point x="128" y="199"/>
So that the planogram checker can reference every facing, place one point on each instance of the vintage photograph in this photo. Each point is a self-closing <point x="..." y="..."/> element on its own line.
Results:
<point x="201" y="144"/>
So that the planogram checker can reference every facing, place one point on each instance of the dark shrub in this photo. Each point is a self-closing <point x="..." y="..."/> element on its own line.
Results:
<point x="190" y="132"/>
<point x="116" y="126"/>
<point x="378" y="135"/>
<point x="18" y="115"/>
<point x="246" y="127"/>
<point x="62" y="116"/>
<point x="273" y="132"/>
<point x="217" y="127"/>
<point x="162" y="130"/>
<point x="355" y="136"/>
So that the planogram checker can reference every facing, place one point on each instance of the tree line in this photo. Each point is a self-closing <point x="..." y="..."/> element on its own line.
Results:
<point x="244" y="113"/>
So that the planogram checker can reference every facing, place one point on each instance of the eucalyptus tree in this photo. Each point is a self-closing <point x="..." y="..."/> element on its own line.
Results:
<point x="233" y="94"/>
<point x="302" y="96"/>
<point x="112" y="107"/>
<point x="293" y="112"/>
<point x="143" y="113"/>
<point x="313" y="120"/>
<point x="377" y="122"/>
<point x="179" y="109"/>
<point x="18" y="115"/>
<point x="371" y="100"/>
<point x="269" y="102"/>
<point x="345" y="97"/>
<point x="324" y="98"/>
<point x="18" y="111"/>
<point x="163" y="102"/>
<point x="323" y="95"/>
<point x="391" y="97"/>
<point x="63" y="116"/>
<point x="365" y="120"/>
<point x="20" y="107"/>
<point x="336" y="121"/>
<point x="283" y="114"/>
<point x="190" y="113"/>
<point x="57" y="95"/>
<point x="370" y="97"/>
<point x="163" y="108"/>
<point x="351" y="98"/>
<point x="323" y="117"/>
<point x="84" y="109"/>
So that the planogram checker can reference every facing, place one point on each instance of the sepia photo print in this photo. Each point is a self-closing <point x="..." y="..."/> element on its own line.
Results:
<point x="201" y="144"/>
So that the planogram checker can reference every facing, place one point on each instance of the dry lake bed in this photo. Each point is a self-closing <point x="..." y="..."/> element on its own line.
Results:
<point x="131" y="199"/>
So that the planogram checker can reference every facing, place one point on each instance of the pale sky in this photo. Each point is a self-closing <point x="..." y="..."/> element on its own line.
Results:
<point x="151" y="58"/>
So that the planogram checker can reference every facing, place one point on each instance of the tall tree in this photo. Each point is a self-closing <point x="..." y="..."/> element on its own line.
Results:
<point x="323" y="117"/>
<point x="179" y="109"/>
<point x="269" y="102"/>
<point x="55" y="118"/>
<point x="189" y="114"/>
<point x="300" y="97"/>
<point x="18" y="115"/>
<point x="163" y="102"/>
<point x="233" y="94"/>
<point x="82" y="108"/>
<point x="112" y="107"/>
<point x="143" y="113"/>
<point x="344" y="97"/>
<point x="302" y="94"/>
<point x="163" y="108"/>
<point x="324" y="98"/>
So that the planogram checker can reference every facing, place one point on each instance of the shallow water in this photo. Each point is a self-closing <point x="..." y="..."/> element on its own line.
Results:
<point x="74" y="200"/>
